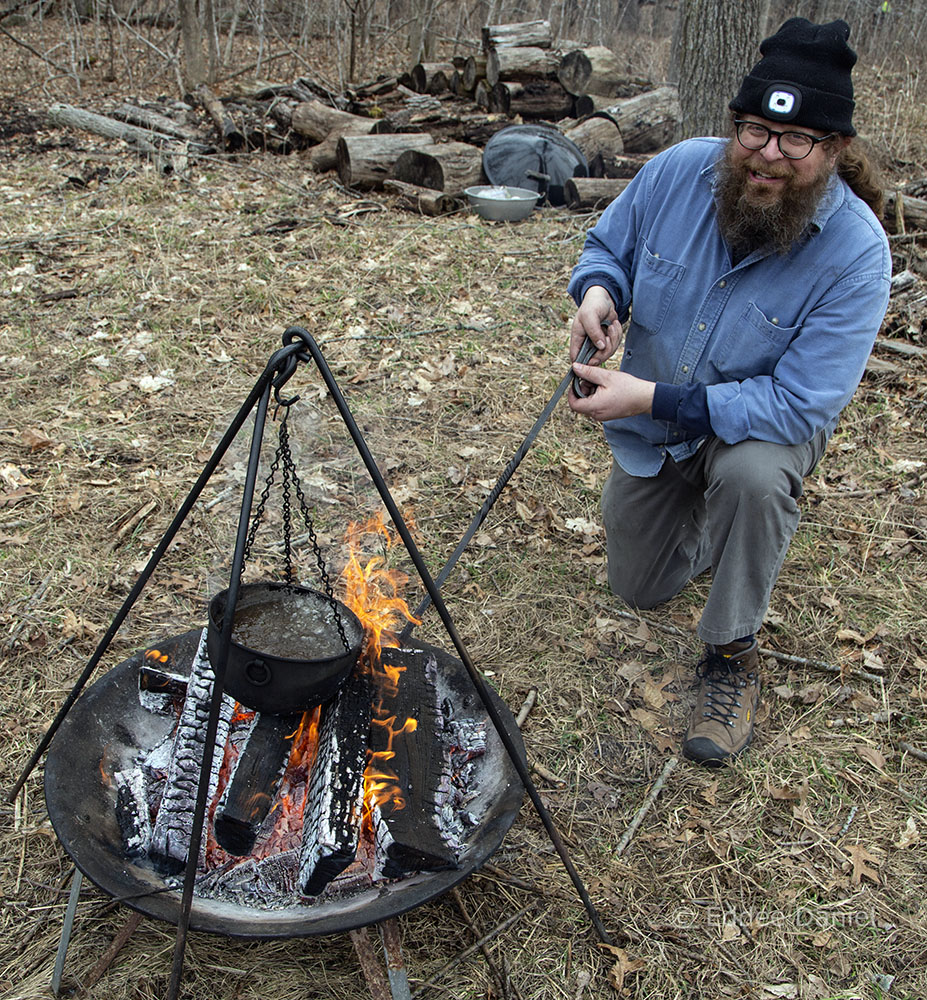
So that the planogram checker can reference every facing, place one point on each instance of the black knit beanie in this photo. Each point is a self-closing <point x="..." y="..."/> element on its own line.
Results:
<point x="803" y="77"/>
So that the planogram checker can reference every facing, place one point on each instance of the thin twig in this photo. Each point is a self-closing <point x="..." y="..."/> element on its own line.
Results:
<point x="525" y="710"/>
<point x="858" y="720"/>
<point x="109" y="956"/>
<point x="645" y="807"/>
<point x="848" y="821"/>
<point x="467" y="952"/>
<point x="913" y="751"/>
<point x="520" y="883"/>
<point x="542" y="772"/>
<point x="763" y="650"/>
<point x="498" y="977"/>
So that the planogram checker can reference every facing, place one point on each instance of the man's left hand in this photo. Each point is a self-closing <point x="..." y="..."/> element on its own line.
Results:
<point x="617" y="394"/>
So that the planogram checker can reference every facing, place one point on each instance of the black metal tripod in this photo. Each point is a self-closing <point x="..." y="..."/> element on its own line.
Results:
<point x="299" y="346"/>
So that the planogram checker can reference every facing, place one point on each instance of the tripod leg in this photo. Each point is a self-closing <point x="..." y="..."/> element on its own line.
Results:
<point x="66" y="928"/>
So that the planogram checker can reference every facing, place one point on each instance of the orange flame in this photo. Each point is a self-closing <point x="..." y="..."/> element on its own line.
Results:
<point x="372" y="593"/>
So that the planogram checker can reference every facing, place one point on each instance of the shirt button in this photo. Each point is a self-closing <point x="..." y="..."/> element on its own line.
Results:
<point x="722" y="283"/>
<point x="657" y="256"/>
<point x="775" y="320"/>
<point x="685" y="369"/>
<point x="701" y="326"/>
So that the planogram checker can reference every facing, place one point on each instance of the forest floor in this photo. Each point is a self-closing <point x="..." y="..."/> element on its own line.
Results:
<point x="139" y="310"/>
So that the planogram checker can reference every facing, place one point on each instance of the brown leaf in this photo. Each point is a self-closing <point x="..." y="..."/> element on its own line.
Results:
<point x="870" y="754"/>
<point x="35" y="439"/>
<point x="648" y="720"/>
<point x="861" y="859"/>
<point x="623" y="967"/>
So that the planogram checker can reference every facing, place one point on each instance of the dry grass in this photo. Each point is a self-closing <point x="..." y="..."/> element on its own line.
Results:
<point x="447" y="337"/>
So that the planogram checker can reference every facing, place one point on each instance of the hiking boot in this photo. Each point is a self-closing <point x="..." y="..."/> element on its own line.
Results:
<point x="728" y="696"/>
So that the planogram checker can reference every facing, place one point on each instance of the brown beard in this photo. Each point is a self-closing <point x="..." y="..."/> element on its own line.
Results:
<point x="747" y="224"/>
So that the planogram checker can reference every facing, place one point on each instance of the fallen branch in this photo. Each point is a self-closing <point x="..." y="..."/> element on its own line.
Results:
<point x="497" y="976"/>
<point x="913" y="751"/>
<point x="655" y="790"/>
<point x="37" y="54"/>
<point x="109" y="956"/>
<point x="857" y="720"/>
<point x="525" y="710"/>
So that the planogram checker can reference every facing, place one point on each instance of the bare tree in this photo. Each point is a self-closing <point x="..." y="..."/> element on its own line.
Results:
<point x="716" y="43"/>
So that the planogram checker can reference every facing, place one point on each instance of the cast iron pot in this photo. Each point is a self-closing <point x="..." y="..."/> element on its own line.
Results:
<point x="266" y="682"/>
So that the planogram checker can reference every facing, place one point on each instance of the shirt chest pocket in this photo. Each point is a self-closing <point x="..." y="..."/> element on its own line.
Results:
<point x="752" y="346"/>
<point x="655" y="284"/>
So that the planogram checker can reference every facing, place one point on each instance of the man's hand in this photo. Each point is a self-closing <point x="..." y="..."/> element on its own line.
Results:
<point x="597" y="320"/>
<point x="618" y="394"/>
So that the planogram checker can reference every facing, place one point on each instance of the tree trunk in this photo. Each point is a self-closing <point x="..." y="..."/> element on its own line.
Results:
<point x="420" y="199"/>
<point x="520" y="64"/>
<point x="649" y="121"/>
<point x="449" y="166"/>
<point x="595" y="70"/>
<point x="715" y="46"/>
<point x="318" y="121"/>
<point x="532" y="99"/>
<point x="195" y="70"/>
<point x="534" y="34"/>
<point x="365" y="161"/>
<point x="590" y="193"/>
<point x="598" y="135"/>
<point x="431" y="78"/>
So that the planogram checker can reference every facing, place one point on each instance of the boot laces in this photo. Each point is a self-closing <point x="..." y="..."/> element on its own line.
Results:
<point x="724" y="684"/>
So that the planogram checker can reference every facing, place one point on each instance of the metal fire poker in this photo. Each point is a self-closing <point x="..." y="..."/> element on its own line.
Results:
<point x="299" y="346"/>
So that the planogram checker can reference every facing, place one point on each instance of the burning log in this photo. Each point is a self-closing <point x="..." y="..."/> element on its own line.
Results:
<point x="365" y="161"/>
<point x="174" y="824"/>
<point x="252" y="786"/>
<point x="450" y="167"/>
<point x="132" y="811"/>
<point x="407" y="823"/>
<point x="158" y="690"/>
<point x="332" y="819"/>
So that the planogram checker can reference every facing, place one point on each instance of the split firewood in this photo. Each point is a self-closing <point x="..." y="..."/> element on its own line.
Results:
<point x="233" y="138"/>
<point x="536" y="34"/>
<point x="448" y="166"/>
<point x="366" y="161"/>
<point x="520" y="64"/>
<point x="591" y="193"/>
<point x="425" y="201"/>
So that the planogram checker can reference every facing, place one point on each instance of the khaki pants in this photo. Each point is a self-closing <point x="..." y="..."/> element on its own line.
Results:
<point x="729" y="508"/>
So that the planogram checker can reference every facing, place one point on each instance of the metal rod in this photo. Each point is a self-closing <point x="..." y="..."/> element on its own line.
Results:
<point x="588" y="349"/>
<point x="66" y="928"/>
<point x="219" y="670"/>
<point x="208" y="469"/>
<point x="294" y="334"/>
<point x="395" y="963"/>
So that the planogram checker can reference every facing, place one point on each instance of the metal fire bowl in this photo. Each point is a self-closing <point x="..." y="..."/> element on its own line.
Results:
<point x="107" y="727"/>
<point x="267" y="683"/>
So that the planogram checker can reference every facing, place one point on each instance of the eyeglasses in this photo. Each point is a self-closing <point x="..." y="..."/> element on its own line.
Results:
<point x="794" y="145"/>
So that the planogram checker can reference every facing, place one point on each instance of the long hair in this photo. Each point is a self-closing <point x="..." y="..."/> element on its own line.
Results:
<point x="858" y="170"/>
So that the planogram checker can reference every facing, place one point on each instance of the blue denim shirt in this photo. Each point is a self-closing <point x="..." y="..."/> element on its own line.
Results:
<point x="780" y="341"/>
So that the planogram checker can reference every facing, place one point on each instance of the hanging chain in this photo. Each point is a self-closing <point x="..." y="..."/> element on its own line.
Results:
<point x="289" y="485"/>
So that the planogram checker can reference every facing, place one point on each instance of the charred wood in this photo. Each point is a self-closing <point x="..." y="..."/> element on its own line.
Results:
<point x="173" y="826"/>
<point x="332" y="819"/>
<point x="450" y="167"/>
<point x="252" y="785"/>
<point x="132" y="811"/>
<point x="519" y="34"/>
<point x="520" y="64"/>
<point x="365" y="161"/>
<point x="158" y="690"/>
